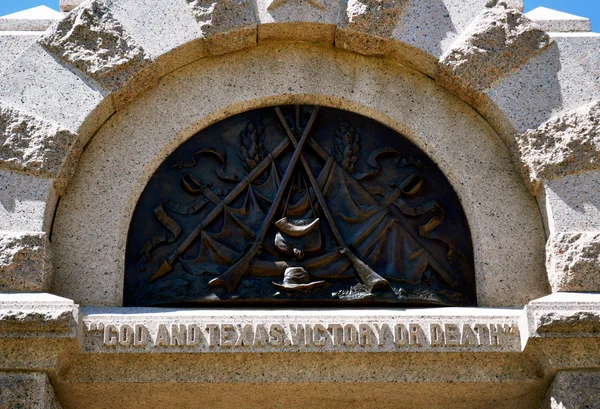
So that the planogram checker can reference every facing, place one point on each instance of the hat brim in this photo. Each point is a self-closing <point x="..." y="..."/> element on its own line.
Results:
<point x="298" y="287"/>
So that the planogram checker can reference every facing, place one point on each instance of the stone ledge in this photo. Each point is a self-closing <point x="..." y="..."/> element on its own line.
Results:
<point x="143" y="330"/>
<point x="33" y="315"/>
<point x="564" y="315"/>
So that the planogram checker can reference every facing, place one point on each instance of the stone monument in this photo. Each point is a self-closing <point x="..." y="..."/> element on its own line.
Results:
<point x="299" y="202"/>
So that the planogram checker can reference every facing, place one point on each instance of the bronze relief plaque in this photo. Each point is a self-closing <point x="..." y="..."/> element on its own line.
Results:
<point x="298" y="205"/>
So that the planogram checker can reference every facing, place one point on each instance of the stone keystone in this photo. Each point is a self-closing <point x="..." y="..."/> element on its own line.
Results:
<point x="573" y="261"/>
<point x="25" y="261"/>
<point x="93" y="41"/>
<point x="498" y="42"/>
<point x="31" y="144"/>
<point x="373" y="17"/>
<point x="228" y="25"/>
<point x="563" y="146"/>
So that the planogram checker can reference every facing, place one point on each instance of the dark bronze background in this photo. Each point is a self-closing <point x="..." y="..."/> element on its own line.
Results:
<point x="390" y="229"/>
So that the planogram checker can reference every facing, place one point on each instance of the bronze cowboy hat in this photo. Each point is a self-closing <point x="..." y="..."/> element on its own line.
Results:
<point x="297" y="279"/>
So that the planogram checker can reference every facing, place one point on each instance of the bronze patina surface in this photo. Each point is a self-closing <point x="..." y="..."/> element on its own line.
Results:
<point x="298" y="205"/>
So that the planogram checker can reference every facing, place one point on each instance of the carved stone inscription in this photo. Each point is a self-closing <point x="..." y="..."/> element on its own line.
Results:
<point x="327" y="336"/>
<point x="298" y="204"/>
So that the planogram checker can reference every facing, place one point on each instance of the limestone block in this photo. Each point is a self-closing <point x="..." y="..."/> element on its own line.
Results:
<point x="565" y="145"/>
<point x="31" y="144"/>
<point x="35" y="315"/>
<point x="554" y="20"/>
<point x="573" y="390"/>
<point x="499" y="41"/>
<point x="40" y="84"/>
<point x="26" y="202"/>
<point x="571" y="203"/>
<point x="25" y="261"/>
<point x="13" y="44"/>
<point x="25" y="390"/>
<point x="424" y="30"/>
<point x="366" y="24"/>
<point x="563" y="315"/>
<point x="92" y="40"/>
<point x="573" y="261"/>
<point x="297" y="20"/>
<point x="227" y="25"/>
<point x="561" y="78"/>
<point x="168" y="27"/>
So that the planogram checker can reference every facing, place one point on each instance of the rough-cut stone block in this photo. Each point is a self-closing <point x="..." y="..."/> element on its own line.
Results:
<point x="27" y="202"/>
<point x="25" y="261"/>
<point x="33" y="315"/>
<point x="92" y="40"/>
<point x="39" y="83"/>
<point x="227" y="25"/>
<point x="573" y="261"/>
<point x="563" y="315"/>
<point x="12" y="45"/>
<point x="571" y="203"/>
<point x="155" y="31"/>
<point x="499" y="41"/>
<point x="565" y="145"/>
<point x="21" y="390"/>
<point x="573" y="390"/>
<point x="32" y="144"/>
<point x="68" y="5"/>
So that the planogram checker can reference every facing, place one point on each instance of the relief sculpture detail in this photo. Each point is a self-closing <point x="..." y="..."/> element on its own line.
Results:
<point x="298" y="205"/>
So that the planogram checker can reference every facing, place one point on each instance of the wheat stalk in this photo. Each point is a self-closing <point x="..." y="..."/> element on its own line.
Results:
<point x="346" y="147"/>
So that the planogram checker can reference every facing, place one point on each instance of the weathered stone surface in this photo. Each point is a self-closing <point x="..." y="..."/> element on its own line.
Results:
<point x="32" y="144"/>
<point x="228" y="25"/>
<point x="563" y="315"/>
<point x="573" y="390"/>
<point x="38" y="315"/>
<point x="565" y="145"/>
<point x="27" y="202"/>
<point x="499" y="41"/>
<point x="92" y="40"/>
<point x="68" y="5"/>
<point x="21" y="390"/>
<point x="570" y="203"/>
<point x="25" y="263"/>
<point x="373" y="17"/>
<point x="573" y="261"/>
<point x="12" y="45"/>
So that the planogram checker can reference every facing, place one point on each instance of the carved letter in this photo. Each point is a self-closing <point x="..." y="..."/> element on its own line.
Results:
<point x="400" y="335"/>
<point x="350" y="335"/>
<point x="365" y="334"/>
<point x="336" y="333"/>
<point x="111" y="335"/>
<point x="178" y="334"/>
<point x="276" y="335"/>
<point x="296" y="333"/>
<point x="452" y="335"/>
<point x="483" y="334"/>
<point x="227" y="335"/>
<point x="163" y="338"/>
<point x="213" y="334"/>
<point x="468" y="337"/>
<point x="416" y="335"/>
<point x="381" y="333"/>
<point x="260" y="336"/>
<point x="436" y="335"/>
<point x="125" y="335"/>
<point x="194" y="335"/>
<point x="308" y="335"/>
<point x="319" y="335"/>
<point x="245" y="335"/>
<point x="496" y="334"/>
<point x="140" y="338"/>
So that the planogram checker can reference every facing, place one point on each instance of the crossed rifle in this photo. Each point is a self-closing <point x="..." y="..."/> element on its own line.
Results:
<point x="232" y="276"/>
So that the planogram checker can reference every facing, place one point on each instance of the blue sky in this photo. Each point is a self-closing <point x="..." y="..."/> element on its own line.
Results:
<point x="586" y="8"/>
